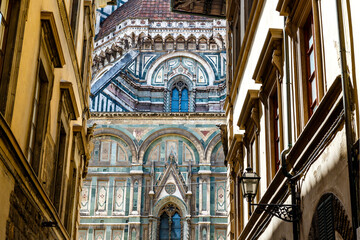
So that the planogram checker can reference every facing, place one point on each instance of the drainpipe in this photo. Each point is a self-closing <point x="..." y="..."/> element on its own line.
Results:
<point x="348" y="127"/>
<point x="287" y="150"/>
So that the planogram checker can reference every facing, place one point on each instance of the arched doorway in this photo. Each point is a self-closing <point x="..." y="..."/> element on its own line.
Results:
<point x="169" y="224"/>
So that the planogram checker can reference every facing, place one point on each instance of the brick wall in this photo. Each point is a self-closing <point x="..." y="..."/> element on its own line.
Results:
<point x="25" y="220"/>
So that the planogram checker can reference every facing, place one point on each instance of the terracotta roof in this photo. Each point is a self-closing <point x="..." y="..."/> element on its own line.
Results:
<point x="151" y="9"/>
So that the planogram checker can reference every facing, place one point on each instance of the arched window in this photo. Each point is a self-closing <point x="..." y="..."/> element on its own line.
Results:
<point x="170" y="224"/>
<point x="176" y="227"/>
<point x="164" y="227"/>
<point x="180" y="98"/>
<point x="184" y="100"/>
<point x="175" y="100"/>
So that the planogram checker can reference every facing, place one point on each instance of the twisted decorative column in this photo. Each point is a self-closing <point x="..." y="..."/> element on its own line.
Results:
<point x="166" y="100"/>
<point x="192" y="101"/>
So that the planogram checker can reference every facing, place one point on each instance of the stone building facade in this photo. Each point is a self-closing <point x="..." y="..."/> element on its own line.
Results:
<point x="292" y="112"/>
<point x="45" y="63"/>
<point x="149" y="169"/>
<point x="157" y="168"/>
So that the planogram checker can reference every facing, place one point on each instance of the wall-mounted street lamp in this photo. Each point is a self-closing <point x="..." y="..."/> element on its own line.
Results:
<point x="249" y="184"/>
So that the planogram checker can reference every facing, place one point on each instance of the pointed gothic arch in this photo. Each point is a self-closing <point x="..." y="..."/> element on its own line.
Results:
<point x="162" y="206"/>
<point x="180" y="95"/>
<point x="170" y="224"/>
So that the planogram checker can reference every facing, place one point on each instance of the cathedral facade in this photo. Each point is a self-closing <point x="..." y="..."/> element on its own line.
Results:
<point x="157" y="167"/>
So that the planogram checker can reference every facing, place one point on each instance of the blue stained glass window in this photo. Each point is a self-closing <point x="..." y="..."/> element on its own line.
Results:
<point x="164" y="227"/>
<point x="184" y="100"/>
<point x="175" y="100"/>
<point x="176" y="227"/>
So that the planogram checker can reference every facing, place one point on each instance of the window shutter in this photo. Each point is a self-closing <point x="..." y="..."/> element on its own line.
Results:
<point x="325" y="219"/>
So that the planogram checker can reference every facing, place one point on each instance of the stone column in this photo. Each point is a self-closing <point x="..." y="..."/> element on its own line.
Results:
<point x="131" y="196"/>
<point x="187" y="223"/>
<point x="152" y="231"/>
<point x="139" y="196"/>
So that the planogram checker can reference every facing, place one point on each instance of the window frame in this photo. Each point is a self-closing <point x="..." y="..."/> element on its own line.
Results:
<point x="36" y="136"/>
<point x="313" y="101"/>
<point x="12" y="55"/>
<point x="269" y="73"/>
<point x="179" y="88"/>
<point x="3" y="41"/>
<point x="249" y="121"/>
<point x="297" y="16"/>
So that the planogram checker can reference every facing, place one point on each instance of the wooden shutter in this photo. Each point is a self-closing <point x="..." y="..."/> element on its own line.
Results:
<point x="325" y="219"/>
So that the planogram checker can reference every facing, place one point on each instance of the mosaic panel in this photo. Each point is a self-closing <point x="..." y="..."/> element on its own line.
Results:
<point x="82" y="235"/>
<point x="105" y="150"/>
<point x="201" y="76"/>
<point x="172" y="148"/>
<point x="121" y="154"/>
<point x="220" y="197"/>
<point x="159" y="76"/>
<point x="102" y="194"/>
<point x="119" y="197"/>
<point x="117" y="234"/>
<point x="220" y="155"/>
<point x="95" y="153"/>
<point x="99" y="234"/>
<point x="188" y="154"/>
<point x="138" y="133"/>
<point x="155" y="153"/>
<point x="204" y="133"/>
<point x="132" y="67"/>
<point x="85" y="197"/>
<point x="184" y="66"/>
<point x="220" y="234"/>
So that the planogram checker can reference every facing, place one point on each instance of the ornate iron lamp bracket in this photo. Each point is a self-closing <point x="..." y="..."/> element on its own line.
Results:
<point x="286" y="212"/>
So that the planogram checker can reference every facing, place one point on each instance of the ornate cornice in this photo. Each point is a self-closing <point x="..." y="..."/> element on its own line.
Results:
<point x="159" y="115"/>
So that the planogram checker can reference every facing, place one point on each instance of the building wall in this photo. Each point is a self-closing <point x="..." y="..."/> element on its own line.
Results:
<point x="137" y="150"/>
<point x="268" y="111"/>
<point x="138" y="62"/>
<point x="43" y="129"/>
<point x="156" y="152"/>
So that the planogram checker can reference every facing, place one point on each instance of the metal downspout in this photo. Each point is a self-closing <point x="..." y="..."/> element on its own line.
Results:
<point x="348" y="127"/>
<point x="287" y="150"/>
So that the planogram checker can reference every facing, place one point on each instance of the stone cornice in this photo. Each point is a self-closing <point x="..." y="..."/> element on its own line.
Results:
<point x="159" y="115"/>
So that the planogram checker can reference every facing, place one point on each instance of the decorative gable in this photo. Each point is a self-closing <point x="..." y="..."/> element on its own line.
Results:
<point x="171" y="182"/>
